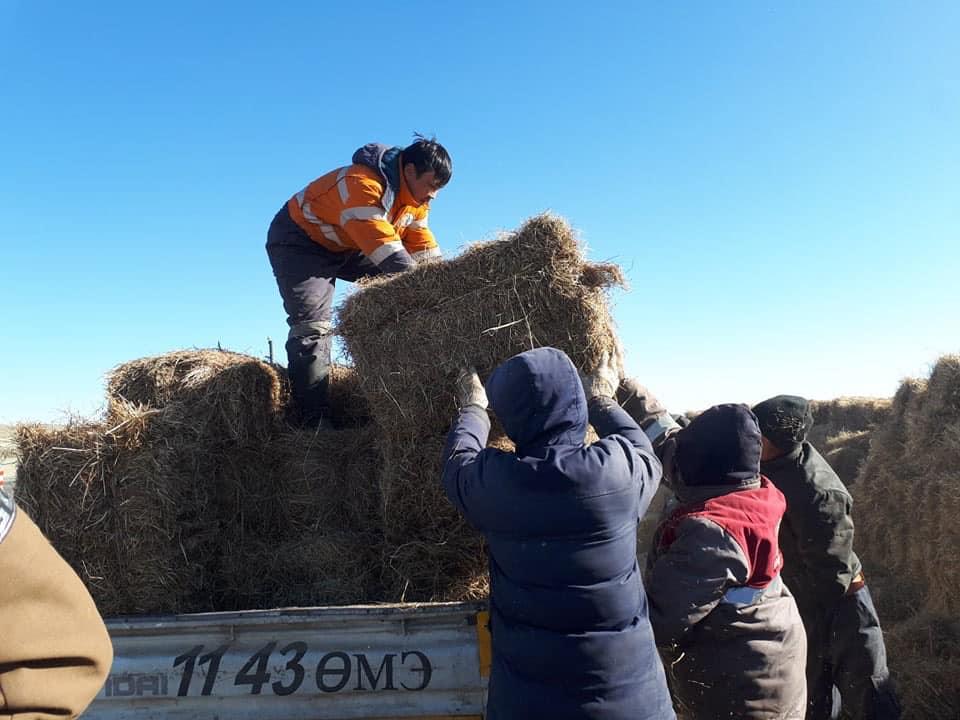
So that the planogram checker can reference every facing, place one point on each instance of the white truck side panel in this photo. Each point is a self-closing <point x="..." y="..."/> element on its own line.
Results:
<point x="392" y="661"/>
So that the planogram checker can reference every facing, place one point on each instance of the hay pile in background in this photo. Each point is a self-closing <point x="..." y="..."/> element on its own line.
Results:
<point x="842" y="429"/>
<point x="408" y="335"/>
<point x="907" y="501"/>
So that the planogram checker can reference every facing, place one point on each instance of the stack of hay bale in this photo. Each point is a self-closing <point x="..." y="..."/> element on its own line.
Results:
<point x="906" y="506"/>
<point x="193" y="494"/>
<point x="139" y="502"/>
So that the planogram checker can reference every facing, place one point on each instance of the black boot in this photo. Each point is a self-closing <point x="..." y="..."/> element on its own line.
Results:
<point x="309" y="385"/>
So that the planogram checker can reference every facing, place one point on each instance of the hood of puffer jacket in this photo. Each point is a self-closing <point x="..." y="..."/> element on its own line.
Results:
<point x="539" y="399"/>
<point x="383" y="159"/>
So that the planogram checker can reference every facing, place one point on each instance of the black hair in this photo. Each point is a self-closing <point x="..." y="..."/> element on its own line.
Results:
<point x="427" y="154"/>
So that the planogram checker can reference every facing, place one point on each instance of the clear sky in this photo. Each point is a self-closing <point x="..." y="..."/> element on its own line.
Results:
<point x="781" y="181"/>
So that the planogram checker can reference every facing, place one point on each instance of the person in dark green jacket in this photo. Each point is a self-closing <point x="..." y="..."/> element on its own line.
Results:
<point x="846" y="657"/>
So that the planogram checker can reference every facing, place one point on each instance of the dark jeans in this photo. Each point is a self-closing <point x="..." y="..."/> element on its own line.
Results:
<point x="306" y="275"/>
<point x="847" y="664"/>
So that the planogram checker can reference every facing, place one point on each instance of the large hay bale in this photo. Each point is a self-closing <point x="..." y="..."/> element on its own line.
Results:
<point x="218" y="393"/>
<point x="849" y="413"/>
<point x="429" y="549"/>
<point x="325" y="543"/>
<point x="906" y="505"/>
<point x="330" y="480"/>
<point x="140" y="538"/>
<point x="409" y="334"/>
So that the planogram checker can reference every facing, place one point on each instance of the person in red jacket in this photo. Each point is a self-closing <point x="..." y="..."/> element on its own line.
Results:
<point x="727" y="627"/>
<point x="362" y="219"/>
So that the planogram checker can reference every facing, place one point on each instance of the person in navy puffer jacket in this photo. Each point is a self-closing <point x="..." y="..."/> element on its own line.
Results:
<point x="568" y="613"/>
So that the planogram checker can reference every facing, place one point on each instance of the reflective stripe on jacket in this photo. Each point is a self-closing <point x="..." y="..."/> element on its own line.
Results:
<point x="367" y="206"/>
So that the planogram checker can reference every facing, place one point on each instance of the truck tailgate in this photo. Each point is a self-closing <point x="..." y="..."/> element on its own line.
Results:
<point x="390" y="661"/>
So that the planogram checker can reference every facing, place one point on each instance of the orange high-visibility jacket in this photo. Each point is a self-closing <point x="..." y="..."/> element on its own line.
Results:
<point x="367" y="206"/>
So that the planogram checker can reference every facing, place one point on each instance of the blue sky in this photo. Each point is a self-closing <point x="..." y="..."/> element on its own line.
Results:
<point x="781" y="181"/>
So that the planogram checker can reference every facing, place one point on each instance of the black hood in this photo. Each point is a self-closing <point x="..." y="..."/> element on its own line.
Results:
<point x="539" y="399"/>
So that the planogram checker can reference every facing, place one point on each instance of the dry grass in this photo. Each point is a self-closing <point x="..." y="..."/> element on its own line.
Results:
<point x="842" y="429"/>
<point x="907" y="505"/>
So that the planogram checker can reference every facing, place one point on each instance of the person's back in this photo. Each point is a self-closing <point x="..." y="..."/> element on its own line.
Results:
<point x="814" y="493"/>
<point x="846" y="658"/>
<point x="728" y="627"/>
<point x="571" y="638"/>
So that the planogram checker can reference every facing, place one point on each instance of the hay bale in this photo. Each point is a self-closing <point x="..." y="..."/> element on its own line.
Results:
<point x="330" y="480"/>
<point x="430" y="552"/>
<point x="842" y="429"/>
<point x="408" y="334"/>
<point x="348" y="405"/>
<point x="924" y="653"/>
<point x="217" y="392"/>
<point x="138" y="537"/>
<point x="906" y="505"/>
<point x="850" y="413"/>
<point x="315" y="569"/>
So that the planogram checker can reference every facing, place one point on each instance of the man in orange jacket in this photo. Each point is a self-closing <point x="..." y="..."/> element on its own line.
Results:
<point x="363" y="219"/>
<point x="54" y="649"/>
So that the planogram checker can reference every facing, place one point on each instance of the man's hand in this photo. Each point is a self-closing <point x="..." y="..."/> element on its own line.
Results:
<point x="639" y="402"/>
<point x="603" y="381"/>
<point x="645" y="410"/>
<point x="470" y="390"/>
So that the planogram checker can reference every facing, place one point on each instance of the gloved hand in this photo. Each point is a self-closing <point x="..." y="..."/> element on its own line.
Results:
<point x="470" y="390"/>
<point x="645" y="409"/>
<point x="639" y="402"/>
<point x="603" y="381"/>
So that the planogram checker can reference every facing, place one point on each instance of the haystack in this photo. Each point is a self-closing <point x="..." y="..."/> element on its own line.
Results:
<point x="842" y="430"/>
<point x="139" y="537"/>
<point x="408" y="335"/>
<point x="219" y="393"/>
<point x="149" y="503"/>
<point x="906" y="506"/>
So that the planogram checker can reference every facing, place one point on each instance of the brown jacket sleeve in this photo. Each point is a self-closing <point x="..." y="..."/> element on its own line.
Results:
<point x="55" y="652"/>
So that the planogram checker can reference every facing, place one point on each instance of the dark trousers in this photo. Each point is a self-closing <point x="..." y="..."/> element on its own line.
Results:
<point x="847" y="664"/>
<point x="306" y="275"/>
